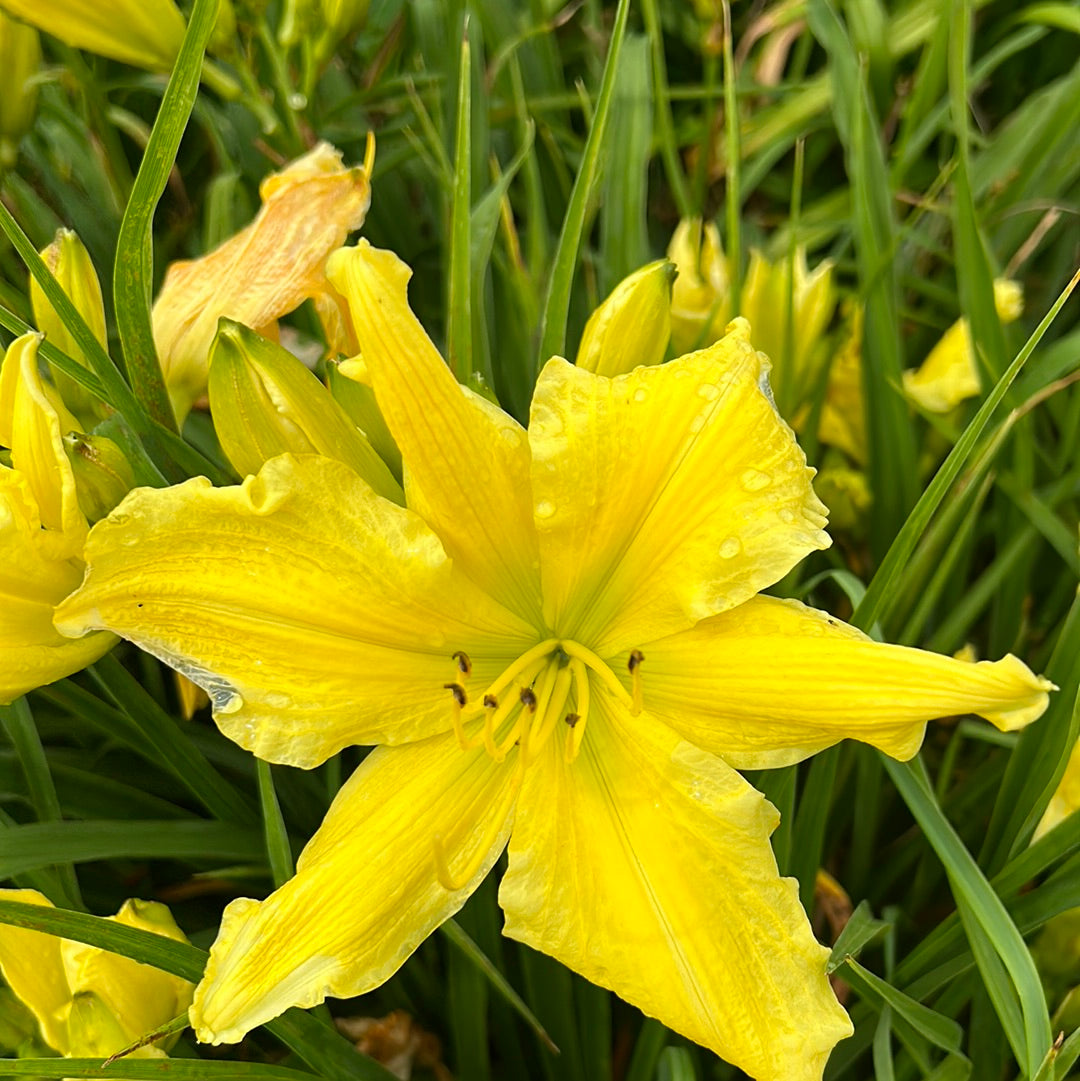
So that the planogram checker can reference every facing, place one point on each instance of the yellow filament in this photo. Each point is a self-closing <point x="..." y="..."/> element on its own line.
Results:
<point x="447" y="879"/>
<point x="591" y="660"/>
<point x="537" y="653"/>
<point x="635" y="682"/>
<point x="369" y="154"/>
<point x="464" y="742"/>
<point x="552" y="711"/>
<point x="581" y="696"/>
<point x="497" y="716"/>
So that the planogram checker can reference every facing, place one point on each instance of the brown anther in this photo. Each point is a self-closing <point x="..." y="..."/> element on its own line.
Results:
<point x="463" y="662"/>
<point x="490" y="702"/>
<point x="459" y="693"/>
<point x="636" y="657"/>
<point x="528" y="698"/>
<point x="572" y="719"/>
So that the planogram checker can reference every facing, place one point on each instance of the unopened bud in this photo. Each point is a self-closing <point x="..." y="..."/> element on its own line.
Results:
<point x="71" y="266"/>
<point x="633" y="326"/>
<point x="700" y="300"/>
<point x="265" y="403"/>
<point x="103" y="476"/>
<point x="350" y="386"/>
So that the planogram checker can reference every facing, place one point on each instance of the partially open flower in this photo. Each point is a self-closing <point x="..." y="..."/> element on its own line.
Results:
<point x="700" y="301"/>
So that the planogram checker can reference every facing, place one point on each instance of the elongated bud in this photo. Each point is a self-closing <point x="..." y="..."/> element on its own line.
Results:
<point x="700" y="300"/>
<point x="265" y="403"/>
<point x="20" y="61"/>
<point x="71" y="266"/>
<point x="146" y="33"/>
<point x="103" y="476"/>
<point x="350" y="386"/>
<point x="633" y="326"/>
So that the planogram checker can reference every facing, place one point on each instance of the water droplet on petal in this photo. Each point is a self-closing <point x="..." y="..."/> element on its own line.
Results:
<point x="697" y="423"/>
<point x="640" y="394"/>
<point x="753" y="480"/>
<point x="709" y="391"/>
<point x="730" y="547"/>
<point x="786" y="515"/>
<point x="544" y="509"/>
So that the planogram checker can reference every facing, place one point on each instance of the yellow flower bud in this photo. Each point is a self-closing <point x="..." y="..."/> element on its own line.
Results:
<point x="20" y="60"/>
<point x="71" y="266"/>
<point x="266" y="403"/>
<point x="350" y="386"/>
<point x="103" y="476"/>
<point x="700" y="301"/>
<point x="323" y="22"/>
<point x="788" y="308"/>
<point x="146" y="33"/>
<point x="87" y="1001"/>
<point x="843" y="413"/>
<point x="633" y="326"/>
<point x="950" y="372"/>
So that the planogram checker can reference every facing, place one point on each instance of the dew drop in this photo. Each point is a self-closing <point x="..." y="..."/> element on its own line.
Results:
<point x="640" y="394"/>
<point x="697" y="423"/>
<point x="709" y="391"/>
<point x="786" y="515"/>
<point x="730" y="547"/>
<point x="544" y="509"/>
<point x="754" y="480"/>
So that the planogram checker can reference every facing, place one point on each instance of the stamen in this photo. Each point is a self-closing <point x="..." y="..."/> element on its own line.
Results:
<point x="497" y="716"/>
<point x="581" y="696"/>
<point x="463" y="662"/>
<point x="530" y="657"/>
<point x="553" y="703"/>
<point x="591" y="660"/>
<point x="636" y="657"/>
<point x="447" y="879"/>
<point x="528" y="699"/>
<point x="460" y="701"/>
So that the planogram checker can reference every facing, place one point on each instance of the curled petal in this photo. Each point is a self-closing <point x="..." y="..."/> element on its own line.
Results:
<point x="262" y="273"/>
<point x="773" y="681"/>
<point x="666" y="495"/>
<point x="366" y="891"/>
<point x="645" y="865"/>
<point x="313" y="612"/>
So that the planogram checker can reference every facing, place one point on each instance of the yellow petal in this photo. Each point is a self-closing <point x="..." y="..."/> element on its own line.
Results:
<point x="146" y="33"/>
<point x="1067" y="797"/>
<point x="265" y="271"/>
<point x="633" y="325"/>
<point x="33" y="424"/>
<point x="365" y="893"/>
<point x="664" y="496"/>
<point x="140" y="998"/>
<point x="31" y="966"/>
<point x="700" y="301"/>
<point x="32" y="583"/>
<point x="313" y="612"/>
<point x="645" y="865"/>
<point x="948" y="375"/>
<point x="773" y="681"/>
<point x="466" y="462"/>
<point x="843" y="413"/>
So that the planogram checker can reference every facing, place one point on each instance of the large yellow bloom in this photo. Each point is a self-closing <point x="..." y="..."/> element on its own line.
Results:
<point x="42" y="530"/>
<point x="559" y="646"/>
<point x="88" y="1002"/>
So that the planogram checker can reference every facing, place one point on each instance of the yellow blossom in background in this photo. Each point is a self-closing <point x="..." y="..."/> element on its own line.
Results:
<point x="788" y="308"/>
<point x="146" y="33"/>
<point x="843" y="413"/>
<point x="90" y="1003"/>
<point x="42" y="530"/>
<point x="1066" y="799"/>
<point x="950" y="372"/>
<point x="700" y="301"/>
<point x="268" y="269"/>
<point x="559" y="648"/>
<point x="20" y="62"/>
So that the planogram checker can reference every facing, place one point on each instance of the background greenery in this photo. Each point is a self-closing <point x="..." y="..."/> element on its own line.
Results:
<point x="926" y="148"/>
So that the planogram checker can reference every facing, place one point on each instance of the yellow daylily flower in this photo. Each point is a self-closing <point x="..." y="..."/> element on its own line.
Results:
<point x="20" y="61"/>
<point x="146" y="33"/>
<point x="559" y="648"/>
<point x="269" y="268"/>
<point x="950" y="372"/>
<point x="1066" y="799"/>
<point x="42" y="530"/>
<point x="843" y="413"/>
<point x="700" y="300"/>
<point x="89" y="1002"/>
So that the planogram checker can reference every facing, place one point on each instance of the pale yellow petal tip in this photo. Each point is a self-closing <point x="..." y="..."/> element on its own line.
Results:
<point x="1024" y="695"/>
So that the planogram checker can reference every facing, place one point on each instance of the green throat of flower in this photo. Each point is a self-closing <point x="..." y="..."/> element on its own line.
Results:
<point x="523" y="708"/>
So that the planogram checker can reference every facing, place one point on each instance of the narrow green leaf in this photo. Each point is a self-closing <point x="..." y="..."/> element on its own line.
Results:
<point x="557" y="302"/>
<point x="459" y="323"/>
<point x="733" y="162"/>
<point x="860" y="929"/>
<point x="278" y="850"/>
<point x="149" y="1069"/>
<point x="808" y="836"/>
<point x="133" y="275"/>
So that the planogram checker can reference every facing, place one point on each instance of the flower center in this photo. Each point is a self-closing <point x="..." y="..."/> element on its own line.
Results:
<point x="545" y="690"/>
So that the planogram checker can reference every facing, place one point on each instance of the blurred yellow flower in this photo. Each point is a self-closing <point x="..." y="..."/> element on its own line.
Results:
<point x="90" y="1003"/>
<point x="700" y="304"/>
<point x="1066" y="799"/>
<point x="265" y="271"/>
<point x="950" y="372"/>
<point x="843" y="413"/>
<point x="42" y="530"/>
<point x="560" y="647"/>
<point x="146" y="33"/>
<point x="20" y="61"/>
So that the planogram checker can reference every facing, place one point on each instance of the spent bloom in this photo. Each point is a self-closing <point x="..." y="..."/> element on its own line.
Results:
<point x="558" y="648"/>
<point x="90" y="1003"/>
